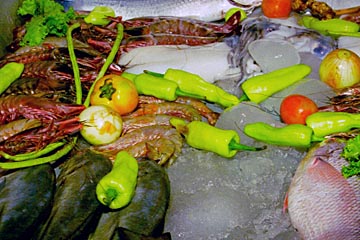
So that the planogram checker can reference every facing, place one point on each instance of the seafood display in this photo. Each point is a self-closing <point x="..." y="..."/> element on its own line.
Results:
<point x="206" y="81"/>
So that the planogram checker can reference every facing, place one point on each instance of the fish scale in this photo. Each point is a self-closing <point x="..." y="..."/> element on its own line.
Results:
<point x="207" y="10"/>
<point x="322" y="204"/>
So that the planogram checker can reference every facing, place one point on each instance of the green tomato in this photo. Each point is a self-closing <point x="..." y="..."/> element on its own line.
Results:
<point x="101" y="124"/>
<point x="98" y="15"/>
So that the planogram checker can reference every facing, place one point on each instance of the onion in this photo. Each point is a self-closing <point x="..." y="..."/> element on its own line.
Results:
<point x="101" y="124"/>
<point x="340" y="69"/>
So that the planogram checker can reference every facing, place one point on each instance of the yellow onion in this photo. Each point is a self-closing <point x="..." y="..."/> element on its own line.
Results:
<point x="340" y="69"/>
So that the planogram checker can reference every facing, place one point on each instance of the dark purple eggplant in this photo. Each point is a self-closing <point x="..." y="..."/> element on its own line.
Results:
<point x="75" y="205"/>
<point x="26" y="197"/>
<point x="145" y="214"/>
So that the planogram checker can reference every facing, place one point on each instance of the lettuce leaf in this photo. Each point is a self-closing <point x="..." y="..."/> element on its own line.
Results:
<point x="351" y="153"/>
<point x="47" y="17"/>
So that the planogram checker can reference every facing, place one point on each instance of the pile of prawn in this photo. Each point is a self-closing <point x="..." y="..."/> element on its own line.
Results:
<point x="39" y="108"/>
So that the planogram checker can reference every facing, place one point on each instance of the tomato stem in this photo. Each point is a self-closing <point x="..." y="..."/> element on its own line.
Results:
<point x="107" y="90"/>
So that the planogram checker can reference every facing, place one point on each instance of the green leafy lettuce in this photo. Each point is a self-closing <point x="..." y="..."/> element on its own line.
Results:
<point x="47" y="17"/>
<point x="351" y="153"/>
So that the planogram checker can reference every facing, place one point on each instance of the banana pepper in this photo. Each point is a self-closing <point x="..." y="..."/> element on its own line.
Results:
<point x="117" y="188"/>
<point x="260" y="87"/>
<point x="326" y="123"/>
<point x="159" y="87"/>
<point x="292" y="135"/>
<point x="203" y="136"/>
<point x="193" y="83"/>
<point x="334" y="26"/>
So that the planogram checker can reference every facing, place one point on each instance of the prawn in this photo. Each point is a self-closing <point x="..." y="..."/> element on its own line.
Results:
<point x="141" y="140"/>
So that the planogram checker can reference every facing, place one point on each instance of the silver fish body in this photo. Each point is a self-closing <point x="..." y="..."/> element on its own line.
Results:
<point x="207" y="10"/>
<point x="322" y="204"/>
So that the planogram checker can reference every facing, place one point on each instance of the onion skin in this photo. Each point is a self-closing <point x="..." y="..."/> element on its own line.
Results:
<point x="340" y="69"/>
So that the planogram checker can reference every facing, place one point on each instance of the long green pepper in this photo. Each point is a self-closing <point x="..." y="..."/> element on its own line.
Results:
<point x="37" y="161"/>
<point x="201" y="135"/>
<point x="326" y="123"/>
<point x="292" y="135"/>
<point x="194" y="84"/>
<point x="117" y="188"/>
<point x="159" y="87"/>
<point x="260" y="87"/>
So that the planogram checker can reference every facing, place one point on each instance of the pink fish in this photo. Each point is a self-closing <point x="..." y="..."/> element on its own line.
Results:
<point x="322" y="204"/>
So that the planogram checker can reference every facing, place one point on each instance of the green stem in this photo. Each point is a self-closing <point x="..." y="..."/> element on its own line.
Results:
<point x="233" y="145"/>
<point x="26" y="156"/>
<point x="314" y="138"/>
<point x="244" y="97"/>
<point x="155" y="74"/>
<point x="74" y="63"/>
<point x="111" y="195"/>
<point x="109" y="60"/>
<point x="37" y="161"/>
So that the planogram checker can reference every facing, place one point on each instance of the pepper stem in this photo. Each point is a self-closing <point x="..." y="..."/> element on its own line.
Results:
<point x="316" y="139"/>
<point x="244" y="97"/>
<point x="110" y="195"/>
<point x="233" y="145"/>
<point x="155" y="74"/>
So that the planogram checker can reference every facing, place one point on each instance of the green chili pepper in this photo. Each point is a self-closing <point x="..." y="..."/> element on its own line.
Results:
<point x="98" y="16"/>
<point x="37" y="161"/>
<point x="159" y="87"/>
<point x="326" y="123"/>
<point x="117" y="188"/>
<point x="193" y="84"/>
<point x="260" y="87"/>
<point x="9" y="73"/>
<point x="330" y="26"/>
<point x="292" y="135"/>
<point x="27" y="156"/>
<point x="203" y="136"/>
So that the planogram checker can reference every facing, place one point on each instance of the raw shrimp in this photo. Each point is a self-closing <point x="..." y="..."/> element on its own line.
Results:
<point x="143" y="136"/>
<point x="200" y="106"/>
<point x="170" y="108"/>
<point x="132" y="123"/>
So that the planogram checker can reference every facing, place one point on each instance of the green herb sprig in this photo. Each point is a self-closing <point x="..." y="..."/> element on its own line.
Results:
<point x="47" y="18"/>
<point x="351" y="153"/>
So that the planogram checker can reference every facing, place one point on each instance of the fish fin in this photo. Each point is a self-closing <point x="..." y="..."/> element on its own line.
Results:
<point x="286" y="203"/>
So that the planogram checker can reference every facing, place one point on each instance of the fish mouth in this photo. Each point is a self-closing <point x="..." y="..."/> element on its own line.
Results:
<point x="245" y="6"/>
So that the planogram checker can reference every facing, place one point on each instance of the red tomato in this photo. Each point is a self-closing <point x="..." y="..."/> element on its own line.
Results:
<point x="116" y="92"/>
<point x="276" y="8"/>
<point x="295" y="109"/>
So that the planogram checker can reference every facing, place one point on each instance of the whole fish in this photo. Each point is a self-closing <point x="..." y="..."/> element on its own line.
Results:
<point x="322" y="204"/>
<point x="207" y="10"/>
